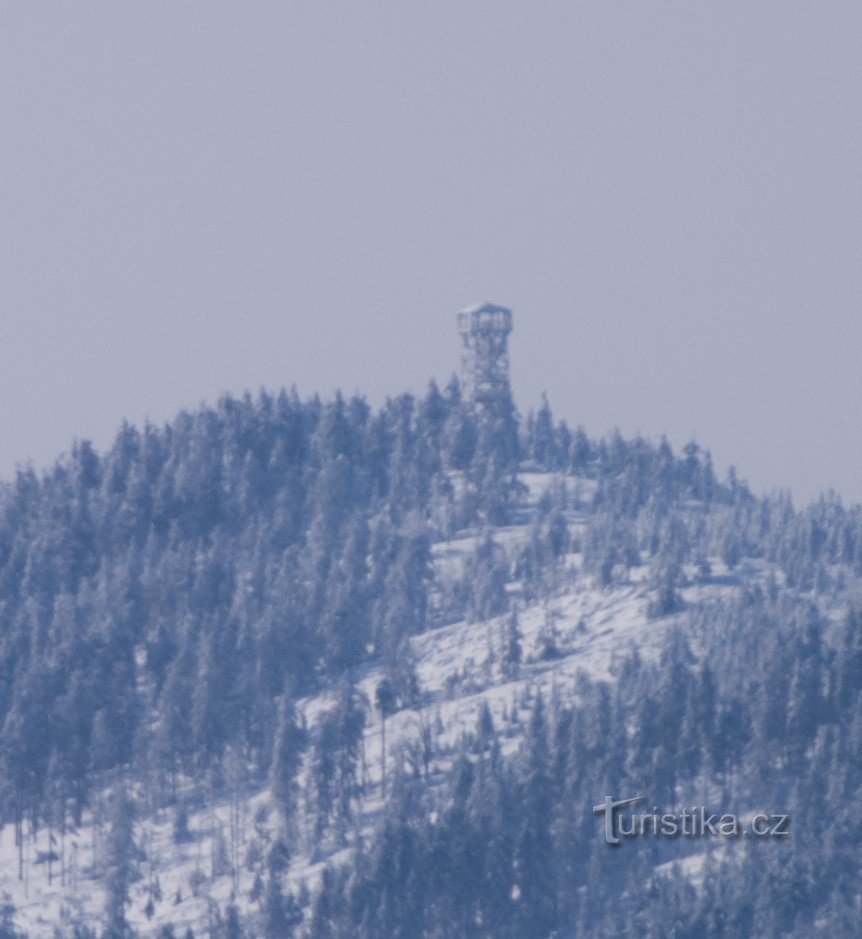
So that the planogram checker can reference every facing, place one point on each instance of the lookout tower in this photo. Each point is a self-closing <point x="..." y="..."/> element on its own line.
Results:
<point x="485" y="355"/>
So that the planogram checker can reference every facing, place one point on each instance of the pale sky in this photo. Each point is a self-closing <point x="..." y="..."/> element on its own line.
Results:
<point x="208" y="197"/>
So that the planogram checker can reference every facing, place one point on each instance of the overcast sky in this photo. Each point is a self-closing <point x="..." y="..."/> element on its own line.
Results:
<point x="200" y="198"/>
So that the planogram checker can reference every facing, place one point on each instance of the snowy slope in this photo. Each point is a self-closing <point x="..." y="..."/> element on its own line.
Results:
<point x="458" y="673"/>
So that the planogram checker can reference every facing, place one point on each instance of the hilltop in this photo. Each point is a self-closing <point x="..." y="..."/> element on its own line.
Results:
<point x="215" y="636"/>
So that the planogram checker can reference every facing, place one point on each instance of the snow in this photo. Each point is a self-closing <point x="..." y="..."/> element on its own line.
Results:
<point x="457" y="676"/>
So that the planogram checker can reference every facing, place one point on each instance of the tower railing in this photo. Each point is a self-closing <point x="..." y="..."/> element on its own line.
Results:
<point x="485" y="358"/>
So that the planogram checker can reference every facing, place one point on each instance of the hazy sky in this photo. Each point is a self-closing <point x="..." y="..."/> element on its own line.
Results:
<point x="196" y="198"/>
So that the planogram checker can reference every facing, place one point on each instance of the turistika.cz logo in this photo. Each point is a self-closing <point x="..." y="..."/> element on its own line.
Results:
<point x="695" y="822"/>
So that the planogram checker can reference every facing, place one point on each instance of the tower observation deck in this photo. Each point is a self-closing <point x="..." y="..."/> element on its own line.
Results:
<point x="485" y="353"/>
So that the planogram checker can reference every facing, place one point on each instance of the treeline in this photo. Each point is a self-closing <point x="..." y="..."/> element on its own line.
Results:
<point x="157" y="600"/>
<point x="161" y="602"/>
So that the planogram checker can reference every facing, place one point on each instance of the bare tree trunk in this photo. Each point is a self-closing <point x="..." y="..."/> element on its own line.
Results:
<point x="26" y="859"/>
<point x="383" y="755"/>
<point x="19" y="841"/>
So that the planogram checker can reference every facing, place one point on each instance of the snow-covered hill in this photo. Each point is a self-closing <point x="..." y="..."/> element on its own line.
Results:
<point x="459" y="669"/>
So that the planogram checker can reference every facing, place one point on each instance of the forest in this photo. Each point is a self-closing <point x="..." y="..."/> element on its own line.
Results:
<point x="165" y="604"/>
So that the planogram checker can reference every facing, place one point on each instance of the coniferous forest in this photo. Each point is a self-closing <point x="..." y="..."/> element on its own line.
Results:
<point x="223" y="630"/>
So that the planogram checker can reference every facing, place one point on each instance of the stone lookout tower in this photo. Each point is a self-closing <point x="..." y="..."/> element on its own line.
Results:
<point x="485" y="355"/>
